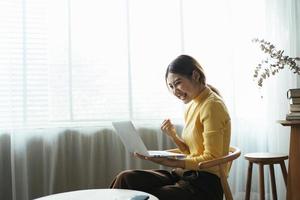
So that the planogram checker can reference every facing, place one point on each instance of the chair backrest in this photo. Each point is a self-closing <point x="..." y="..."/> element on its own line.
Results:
<point x="222" y="163"/>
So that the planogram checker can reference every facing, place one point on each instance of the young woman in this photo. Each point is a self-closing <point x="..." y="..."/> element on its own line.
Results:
<point x="206" y="135"/>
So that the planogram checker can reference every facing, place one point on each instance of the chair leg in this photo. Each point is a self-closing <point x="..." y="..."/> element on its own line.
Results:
<point x="284" y="172"/>
<point x="249" y="178"/>
<point x="261" y="182"/>
<point x="225" y="185"/>
<point x="273" y="184"/>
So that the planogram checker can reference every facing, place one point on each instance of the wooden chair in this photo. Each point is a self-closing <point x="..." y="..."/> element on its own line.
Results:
<point x="222" y="162"/>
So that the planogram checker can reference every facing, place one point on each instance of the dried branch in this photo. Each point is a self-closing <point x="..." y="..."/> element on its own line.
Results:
<point x="274" y="62"/>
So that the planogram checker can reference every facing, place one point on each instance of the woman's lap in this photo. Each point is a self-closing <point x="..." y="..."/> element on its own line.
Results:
<point x="164" y="185"/>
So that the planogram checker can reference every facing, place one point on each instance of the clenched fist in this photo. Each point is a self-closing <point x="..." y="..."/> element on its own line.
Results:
<point x="168" y="128"/>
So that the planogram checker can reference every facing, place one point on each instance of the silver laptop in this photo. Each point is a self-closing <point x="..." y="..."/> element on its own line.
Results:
<point x="134" y="143"/>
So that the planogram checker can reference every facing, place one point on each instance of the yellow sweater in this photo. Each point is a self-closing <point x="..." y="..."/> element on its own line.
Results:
<point x="207" y="130"/>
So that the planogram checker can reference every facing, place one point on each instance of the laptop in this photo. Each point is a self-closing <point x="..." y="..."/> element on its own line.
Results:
<point x="134" y="143"/>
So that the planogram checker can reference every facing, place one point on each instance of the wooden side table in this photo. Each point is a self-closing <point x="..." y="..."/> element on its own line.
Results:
<point x="293" y="180"/>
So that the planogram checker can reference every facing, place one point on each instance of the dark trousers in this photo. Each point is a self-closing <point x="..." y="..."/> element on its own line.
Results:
<point x="166" y="185"/>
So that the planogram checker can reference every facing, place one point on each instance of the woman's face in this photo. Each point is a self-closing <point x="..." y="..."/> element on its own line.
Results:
<point x="183" y="88"/>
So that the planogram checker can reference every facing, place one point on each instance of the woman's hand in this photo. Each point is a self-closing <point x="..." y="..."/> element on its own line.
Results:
<point x="168" y="128"/>
<point x="169" y="162"/>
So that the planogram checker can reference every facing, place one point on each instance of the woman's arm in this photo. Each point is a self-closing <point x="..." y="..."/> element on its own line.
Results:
<point x="168" y="128"/>
<point x="180" y="144"/>
<point x="169" y="162"/>
<point x="176" y="150"/>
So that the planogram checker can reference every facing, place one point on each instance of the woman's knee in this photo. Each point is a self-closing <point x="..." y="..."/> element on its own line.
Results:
<point x="126" y="179"/>
<point x="126" y="174"/>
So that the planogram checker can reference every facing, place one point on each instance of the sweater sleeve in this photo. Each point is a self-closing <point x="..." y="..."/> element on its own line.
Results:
<point x="213" y="118"/>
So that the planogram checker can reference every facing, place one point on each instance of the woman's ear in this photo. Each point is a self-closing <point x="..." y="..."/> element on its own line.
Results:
<point x="196" y="75"/>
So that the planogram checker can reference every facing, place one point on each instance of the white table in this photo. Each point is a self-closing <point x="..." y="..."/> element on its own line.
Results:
<point x="97" y="194"/>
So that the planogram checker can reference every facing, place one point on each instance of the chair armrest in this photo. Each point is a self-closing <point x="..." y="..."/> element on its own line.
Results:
<point x="234" y="153"/>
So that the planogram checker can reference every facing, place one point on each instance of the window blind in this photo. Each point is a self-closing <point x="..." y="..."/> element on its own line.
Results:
<point x="73" y="62"/>
<point x="23" y="75"/>
<point x="155" y="41"/>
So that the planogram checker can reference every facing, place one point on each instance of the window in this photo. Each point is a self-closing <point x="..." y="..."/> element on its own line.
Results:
<point x="65" y="62"/>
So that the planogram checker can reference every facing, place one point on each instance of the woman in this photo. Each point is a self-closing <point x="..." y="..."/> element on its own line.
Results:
<point x="206" y="135"/>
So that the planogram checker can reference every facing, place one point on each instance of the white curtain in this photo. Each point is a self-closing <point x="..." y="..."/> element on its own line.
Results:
<point x="82" y="64"/>
<point x="39" y="162"/>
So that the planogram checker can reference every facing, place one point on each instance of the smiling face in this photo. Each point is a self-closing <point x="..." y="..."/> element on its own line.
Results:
<point x="183" y="88"/>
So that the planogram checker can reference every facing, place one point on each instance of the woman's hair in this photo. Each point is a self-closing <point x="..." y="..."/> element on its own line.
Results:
<point x="185" y="65"/>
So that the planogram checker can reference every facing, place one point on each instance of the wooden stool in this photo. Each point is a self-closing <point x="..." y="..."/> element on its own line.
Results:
<point x="265" y="159"/>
